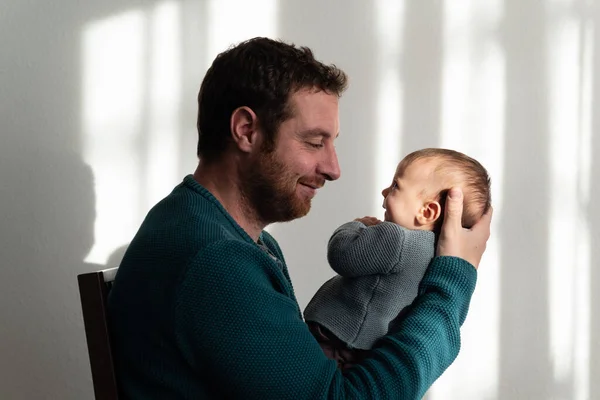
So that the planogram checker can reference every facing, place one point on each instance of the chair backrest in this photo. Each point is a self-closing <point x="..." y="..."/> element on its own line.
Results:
<point x="93" y="290"/>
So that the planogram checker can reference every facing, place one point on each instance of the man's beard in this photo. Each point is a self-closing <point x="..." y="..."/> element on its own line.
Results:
<point x="270" y="190"/>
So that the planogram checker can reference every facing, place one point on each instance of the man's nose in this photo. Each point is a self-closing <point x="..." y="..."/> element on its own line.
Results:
<point x="330" y="166"/>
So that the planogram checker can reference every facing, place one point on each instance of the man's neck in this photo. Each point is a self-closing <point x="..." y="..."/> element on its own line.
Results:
<point x="223" y="182"/>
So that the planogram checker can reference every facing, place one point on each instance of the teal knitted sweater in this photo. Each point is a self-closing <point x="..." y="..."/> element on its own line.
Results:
<point x="198" y="310"/>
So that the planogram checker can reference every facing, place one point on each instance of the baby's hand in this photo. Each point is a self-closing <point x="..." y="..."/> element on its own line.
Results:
<point x="368" y="221"/>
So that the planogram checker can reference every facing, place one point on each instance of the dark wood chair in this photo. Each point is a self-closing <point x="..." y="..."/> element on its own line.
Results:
<point x="93" y="290"/>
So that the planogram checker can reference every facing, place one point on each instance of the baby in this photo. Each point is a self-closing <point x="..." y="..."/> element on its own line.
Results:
<point x="379" y="264"/>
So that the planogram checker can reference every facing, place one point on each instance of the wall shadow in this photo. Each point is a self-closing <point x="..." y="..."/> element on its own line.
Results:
<point x="422" y="74"/>
<point x="525" y="370"/>
<point x="47" y="198"/>
<point x="594" y="218"/>
<point x="46" y="231"/>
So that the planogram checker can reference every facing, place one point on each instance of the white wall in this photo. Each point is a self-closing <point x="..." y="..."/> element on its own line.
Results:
<point x="97" y="123"/>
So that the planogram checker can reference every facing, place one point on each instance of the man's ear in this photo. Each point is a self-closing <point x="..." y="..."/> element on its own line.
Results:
<point x="244" y="129"/>
<point x="429" y="213"/>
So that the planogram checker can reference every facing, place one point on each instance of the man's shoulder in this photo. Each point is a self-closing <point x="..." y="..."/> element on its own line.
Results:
<point x="191" y="216"/>
<point x="176" y="231"/>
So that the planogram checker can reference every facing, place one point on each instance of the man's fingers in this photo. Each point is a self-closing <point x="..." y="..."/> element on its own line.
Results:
<point x="468" y="244"/>
<point x="367" y="220"/>
<point x="454" y="206"/>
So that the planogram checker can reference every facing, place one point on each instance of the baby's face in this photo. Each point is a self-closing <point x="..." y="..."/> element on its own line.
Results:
<point x="405" y="197"/>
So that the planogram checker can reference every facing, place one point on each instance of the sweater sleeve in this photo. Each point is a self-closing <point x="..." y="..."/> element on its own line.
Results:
<point x="355" y="249"/>
<point x="233" y="316"/>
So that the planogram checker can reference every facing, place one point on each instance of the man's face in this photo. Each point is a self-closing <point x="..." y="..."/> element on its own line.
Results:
<point x="282" y="183"/>
<point x="407" y="194"/>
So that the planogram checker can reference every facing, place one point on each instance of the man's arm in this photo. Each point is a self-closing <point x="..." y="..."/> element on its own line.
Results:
<point x="233" y="317"/>
<point x="356" y="249"/>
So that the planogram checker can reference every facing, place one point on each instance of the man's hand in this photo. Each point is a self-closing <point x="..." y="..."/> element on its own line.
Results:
<point x="468" y="244"/>
<point x="368" y="221"/>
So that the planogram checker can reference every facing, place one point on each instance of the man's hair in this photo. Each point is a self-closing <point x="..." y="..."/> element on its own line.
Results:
<point x="261" y="74"/>
<point x="458" y="169"/>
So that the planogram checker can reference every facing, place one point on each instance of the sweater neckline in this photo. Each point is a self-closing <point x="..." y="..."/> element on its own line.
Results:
<point x="192" y="184"/>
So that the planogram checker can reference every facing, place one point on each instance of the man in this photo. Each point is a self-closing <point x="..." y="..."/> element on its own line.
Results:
<point x="202" y="306"/>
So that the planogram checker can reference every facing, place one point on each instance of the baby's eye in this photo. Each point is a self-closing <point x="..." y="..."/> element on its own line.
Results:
<point x="394" y="185"/>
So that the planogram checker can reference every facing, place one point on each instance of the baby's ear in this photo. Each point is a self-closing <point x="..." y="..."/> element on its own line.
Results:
<point x="429" y="213"/>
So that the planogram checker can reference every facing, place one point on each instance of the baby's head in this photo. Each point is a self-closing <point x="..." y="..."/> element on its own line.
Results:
<point x="416" y="197"/>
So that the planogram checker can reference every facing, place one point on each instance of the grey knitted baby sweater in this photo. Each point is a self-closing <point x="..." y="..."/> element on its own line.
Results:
<point x="379" y="270"/>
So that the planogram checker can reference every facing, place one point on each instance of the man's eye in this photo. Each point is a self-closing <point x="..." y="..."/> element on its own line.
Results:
<point x="316" y="145"/>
